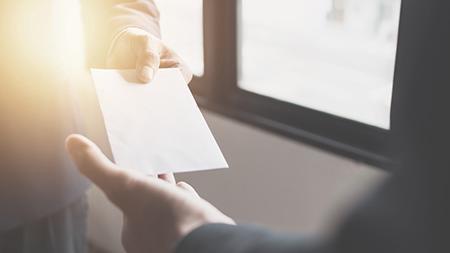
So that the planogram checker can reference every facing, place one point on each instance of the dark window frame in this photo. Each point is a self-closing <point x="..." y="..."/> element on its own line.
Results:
<point x="217" y="90"/>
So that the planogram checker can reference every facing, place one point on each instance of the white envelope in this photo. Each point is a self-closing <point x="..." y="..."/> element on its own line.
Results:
<point x="156" y="127"/>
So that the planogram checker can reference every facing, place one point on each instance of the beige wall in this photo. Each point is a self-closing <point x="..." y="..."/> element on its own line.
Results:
<point x="273" y="181"/>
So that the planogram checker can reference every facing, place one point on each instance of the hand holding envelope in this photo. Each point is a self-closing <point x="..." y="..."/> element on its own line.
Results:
<point x="155" y="128"/>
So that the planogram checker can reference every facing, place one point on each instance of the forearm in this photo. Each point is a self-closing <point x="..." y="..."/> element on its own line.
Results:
<point x="104" y="20"/>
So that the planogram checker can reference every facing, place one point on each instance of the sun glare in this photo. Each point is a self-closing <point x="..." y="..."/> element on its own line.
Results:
<point x="68" y="31"/>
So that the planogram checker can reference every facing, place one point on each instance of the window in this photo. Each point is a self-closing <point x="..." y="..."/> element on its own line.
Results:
<point x="182" y="29"/>
<point x="335" y="56"/>
<point x="319" y="71"/>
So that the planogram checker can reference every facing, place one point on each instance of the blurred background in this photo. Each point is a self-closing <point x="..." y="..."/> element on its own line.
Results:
<point x="331" y="60"/>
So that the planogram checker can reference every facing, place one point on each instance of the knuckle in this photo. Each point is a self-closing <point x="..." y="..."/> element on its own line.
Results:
<point x="142" y="38"/>
<point x="150" y="54"/>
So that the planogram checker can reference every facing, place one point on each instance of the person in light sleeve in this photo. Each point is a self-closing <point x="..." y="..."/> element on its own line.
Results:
<point x="42" y="198"/>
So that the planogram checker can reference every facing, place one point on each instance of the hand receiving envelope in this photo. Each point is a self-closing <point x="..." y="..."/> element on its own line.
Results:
<point x="157" y="127"/>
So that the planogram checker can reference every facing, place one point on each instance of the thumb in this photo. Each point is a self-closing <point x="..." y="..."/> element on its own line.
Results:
<point x="147" y="49"/>
<point x="96" y="166"/>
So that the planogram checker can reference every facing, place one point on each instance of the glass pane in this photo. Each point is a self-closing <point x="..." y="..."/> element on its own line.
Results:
<point x="182" y="30"/>
<point x="336" y="56"/>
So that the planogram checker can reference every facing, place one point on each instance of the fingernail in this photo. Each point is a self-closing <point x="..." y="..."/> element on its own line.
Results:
<point x="147" y="74"/>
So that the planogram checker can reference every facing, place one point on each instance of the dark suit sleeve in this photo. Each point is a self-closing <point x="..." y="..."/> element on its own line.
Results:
<point x="105" y="19"/>
<point x="221" y="238"/>
<point x="380" y="223"/>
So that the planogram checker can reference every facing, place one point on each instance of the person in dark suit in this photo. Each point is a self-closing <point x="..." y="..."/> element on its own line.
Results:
<point x="43" y="53"/>
<point x="408" y="213"/>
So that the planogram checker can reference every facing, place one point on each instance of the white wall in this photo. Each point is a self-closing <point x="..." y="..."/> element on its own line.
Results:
<point x="273" y="181"/>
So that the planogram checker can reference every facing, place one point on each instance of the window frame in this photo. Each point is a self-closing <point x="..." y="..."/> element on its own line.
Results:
<point x="217" y="90"/>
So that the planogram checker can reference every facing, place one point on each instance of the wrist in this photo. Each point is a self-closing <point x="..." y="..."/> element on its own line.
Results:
<point x="204" y="219"/>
